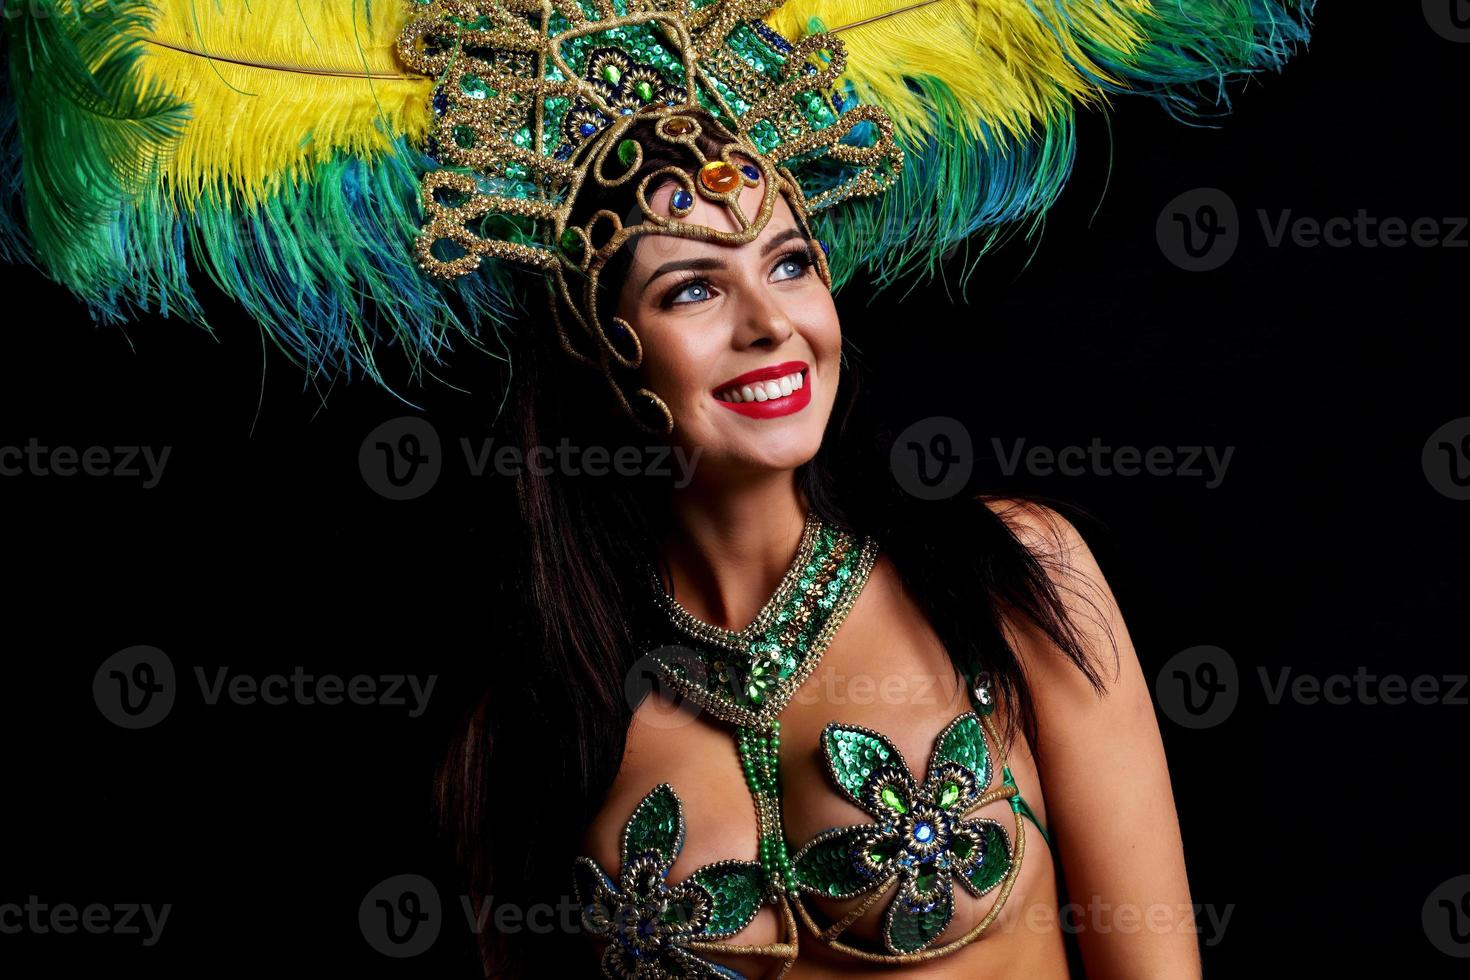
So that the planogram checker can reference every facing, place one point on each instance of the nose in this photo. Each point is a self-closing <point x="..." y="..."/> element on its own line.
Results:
<point x="762" y="320"/>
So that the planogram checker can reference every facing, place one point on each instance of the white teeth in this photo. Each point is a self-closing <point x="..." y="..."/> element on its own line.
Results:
<point x="762" y="391"/>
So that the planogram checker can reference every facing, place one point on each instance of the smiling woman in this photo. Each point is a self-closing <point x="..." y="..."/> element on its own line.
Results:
<point x="685" y="183"/>
<point x="730" y="848"/>
<point x="734" y="806"/>
<point x="706" y="316"/>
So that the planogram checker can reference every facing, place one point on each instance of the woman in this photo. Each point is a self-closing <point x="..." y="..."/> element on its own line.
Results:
<point x="1002" y="595"/>
<point x="885" y="734"/>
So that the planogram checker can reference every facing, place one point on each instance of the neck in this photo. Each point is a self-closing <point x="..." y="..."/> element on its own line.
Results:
<point x="729" y="545"/>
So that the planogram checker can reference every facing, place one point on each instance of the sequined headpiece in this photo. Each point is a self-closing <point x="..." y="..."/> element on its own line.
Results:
<point x="537" y="103"/>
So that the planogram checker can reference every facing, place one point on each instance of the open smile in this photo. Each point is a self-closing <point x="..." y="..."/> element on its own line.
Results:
<point x="768" y="392"/>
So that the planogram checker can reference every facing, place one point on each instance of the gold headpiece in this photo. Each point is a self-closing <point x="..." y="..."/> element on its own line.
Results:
<point x="536" y="103"/>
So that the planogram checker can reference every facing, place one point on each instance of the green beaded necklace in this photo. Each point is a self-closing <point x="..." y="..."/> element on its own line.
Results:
<point x="746" y="677"/>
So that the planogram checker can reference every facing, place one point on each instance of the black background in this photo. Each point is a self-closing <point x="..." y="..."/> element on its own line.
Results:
<point x="1325" y="548"/>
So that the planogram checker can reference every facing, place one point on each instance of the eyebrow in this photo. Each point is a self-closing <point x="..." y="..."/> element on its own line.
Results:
<point x="710" y="262"/>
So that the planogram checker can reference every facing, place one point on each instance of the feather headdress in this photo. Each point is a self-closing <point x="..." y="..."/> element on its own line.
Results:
<point x="276" y="147"/>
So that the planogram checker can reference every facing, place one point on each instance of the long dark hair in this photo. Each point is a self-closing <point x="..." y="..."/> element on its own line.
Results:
<point x="539" y="750"/>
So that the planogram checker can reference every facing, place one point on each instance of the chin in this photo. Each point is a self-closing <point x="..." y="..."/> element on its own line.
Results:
<point x="767" y="445"/>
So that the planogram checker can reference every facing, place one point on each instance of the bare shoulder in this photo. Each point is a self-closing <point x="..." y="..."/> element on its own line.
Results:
<point x="1101" y="755"/>
<point x="1080" y="585"/>
<point x="1047" y="534"/>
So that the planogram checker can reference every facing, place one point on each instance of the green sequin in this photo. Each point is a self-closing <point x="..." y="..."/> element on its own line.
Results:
<point x="964" y="743"/>
<point x="909" y="931"/>
<point x="736" y="890"/>
<point x="920" y="833"/>
<point x="645" y="913"/>
<point x="767" y="661"/>
<point x="656" y="825"/>
<point x="475" y="87"/>
<point x="854" y="755"/>
<point x="826" y="866"/>
<point x="996" y="862"/>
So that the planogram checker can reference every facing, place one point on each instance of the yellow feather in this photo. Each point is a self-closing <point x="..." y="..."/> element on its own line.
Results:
<point x="1010" y="68"/>
<point x="277" y="86"/>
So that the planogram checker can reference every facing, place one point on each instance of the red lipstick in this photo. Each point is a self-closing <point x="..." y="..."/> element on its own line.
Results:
<point x="771" y="407"/>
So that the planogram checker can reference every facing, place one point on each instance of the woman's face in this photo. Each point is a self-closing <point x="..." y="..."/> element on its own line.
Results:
<point x="741" y="342"/>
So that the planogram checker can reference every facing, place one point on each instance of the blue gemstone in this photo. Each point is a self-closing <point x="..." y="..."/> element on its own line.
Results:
<point x="562" y="152"/>
<point x="750" y="171"/>
<point x="683" y="199"/>
<point x="923" y="832"/>
<point x="587" y="129"/>
<point x="825" y="249"/>
<point x="441" y="103"/>
<point x="627" y="111"/>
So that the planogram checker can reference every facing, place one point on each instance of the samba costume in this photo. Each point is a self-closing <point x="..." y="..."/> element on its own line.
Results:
<point x="920" y="839"/>
<point x="363" y="175"/>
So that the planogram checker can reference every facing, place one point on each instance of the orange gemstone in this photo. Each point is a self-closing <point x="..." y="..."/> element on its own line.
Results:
<point x="678" y="126"/>
<point x="719" y="176"/>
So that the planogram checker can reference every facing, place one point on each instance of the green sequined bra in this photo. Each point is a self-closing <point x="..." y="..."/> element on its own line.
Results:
<point x="920" y="837"/>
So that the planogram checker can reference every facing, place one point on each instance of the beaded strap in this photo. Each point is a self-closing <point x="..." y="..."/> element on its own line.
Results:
<point x="746" y="677"/>
<point x="760" y="757"/>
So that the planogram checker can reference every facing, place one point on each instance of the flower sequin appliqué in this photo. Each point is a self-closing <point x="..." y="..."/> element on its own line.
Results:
<point x="656" y="929"/>
<point x="920" y="836"/>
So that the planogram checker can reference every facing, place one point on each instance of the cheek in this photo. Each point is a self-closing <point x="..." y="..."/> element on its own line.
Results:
<point x="676" y="363"/>
<point x="823" y="330"/>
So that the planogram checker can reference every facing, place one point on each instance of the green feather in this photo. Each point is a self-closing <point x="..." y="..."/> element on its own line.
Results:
<point x="93" y="135"/>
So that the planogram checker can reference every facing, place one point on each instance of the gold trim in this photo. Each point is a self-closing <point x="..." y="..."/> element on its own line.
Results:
<point x="787" y="950"/>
